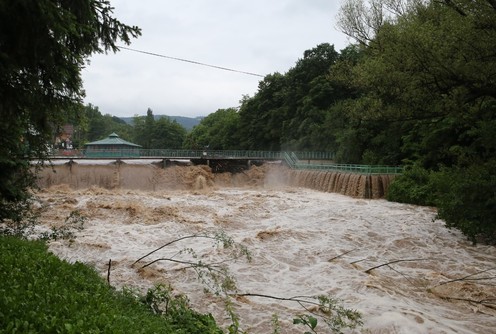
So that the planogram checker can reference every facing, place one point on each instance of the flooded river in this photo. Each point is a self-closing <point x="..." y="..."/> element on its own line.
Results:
<point x="303" y="242"/>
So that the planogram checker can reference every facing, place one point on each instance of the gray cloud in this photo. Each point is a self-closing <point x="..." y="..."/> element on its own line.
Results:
<point x="255" y="36"/>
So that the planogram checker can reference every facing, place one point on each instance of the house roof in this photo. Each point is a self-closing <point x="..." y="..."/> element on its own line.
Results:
<point x="113" y="139"/>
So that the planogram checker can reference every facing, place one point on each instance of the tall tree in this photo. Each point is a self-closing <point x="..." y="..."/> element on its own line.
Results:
<point x="288" y="109"/>
<point x="428" y="92"/>
<point x="167" y="134"/>
<point x="44" y="45"/>
<point x="362" y="19"/>
<point x="217" y="131"/>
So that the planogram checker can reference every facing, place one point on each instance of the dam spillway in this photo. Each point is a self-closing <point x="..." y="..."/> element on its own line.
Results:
<point x="349" y="184"/>
<point x="152" y="177"/>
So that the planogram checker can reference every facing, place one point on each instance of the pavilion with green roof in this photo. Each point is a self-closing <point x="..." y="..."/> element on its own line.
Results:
<point x="112" y="147"/>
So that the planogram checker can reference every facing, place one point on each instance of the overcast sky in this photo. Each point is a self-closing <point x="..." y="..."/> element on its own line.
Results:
<point x="257" y="36"/>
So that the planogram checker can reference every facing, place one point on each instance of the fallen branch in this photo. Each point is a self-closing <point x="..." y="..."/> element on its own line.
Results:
<point x="173" y="241"/>
<point x="358" y="261"/>
<point x="467" y="278"/>
<point x="189" y="263"/>
<point x="340" y="255"/>
<point x="328" y="309"/>
<point x="292" y="299"/>
<point x="399" y="272"/>
<point x="486" y="302"/>
<point x="392" y="262"/>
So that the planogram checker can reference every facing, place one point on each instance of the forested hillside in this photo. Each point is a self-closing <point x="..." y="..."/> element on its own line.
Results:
<point x="149" y="132"/>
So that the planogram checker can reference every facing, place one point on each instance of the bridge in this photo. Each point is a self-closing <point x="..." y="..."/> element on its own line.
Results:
<point x="233" y="160"/>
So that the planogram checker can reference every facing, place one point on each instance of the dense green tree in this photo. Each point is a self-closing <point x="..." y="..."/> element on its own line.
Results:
<point x="91" y="125"/>
<point x="262" y="116"/>
<point x="43" y="47"/>
<point x="427" y="88"/>
<point x="431" y="75"/>
<point x="143" y="127"/>
<point x="157" y="134"/>
<point x="217" y="131"/>
<point x="168" y="134"/>
<point x="288" y="109"/>
<point x="309" y="94"/>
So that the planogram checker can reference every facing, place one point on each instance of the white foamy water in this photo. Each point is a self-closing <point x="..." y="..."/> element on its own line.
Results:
<point x="295" y="237"/>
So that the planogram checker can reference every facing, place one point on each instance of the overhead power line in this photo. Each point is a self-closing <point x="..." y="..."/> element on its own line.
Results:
<point x="191" y="61"/>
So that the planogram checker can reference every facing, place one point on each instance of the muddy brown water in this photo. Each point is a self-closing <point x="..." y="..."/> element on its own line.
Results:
<point x="297" y="226"/>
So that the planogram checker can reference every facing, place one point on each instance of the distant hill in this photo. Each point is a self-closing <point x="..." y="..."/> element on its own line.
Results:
<point x="187" y="122"/>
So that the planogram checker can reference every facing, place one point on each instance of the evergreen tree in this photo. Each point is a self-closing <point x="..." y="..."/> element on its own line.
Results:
<point x="44" y="45"/>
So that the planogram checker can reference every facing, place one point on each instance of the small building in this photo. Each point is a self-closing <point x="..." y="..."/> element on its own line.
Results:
<point x="111" y="147"/>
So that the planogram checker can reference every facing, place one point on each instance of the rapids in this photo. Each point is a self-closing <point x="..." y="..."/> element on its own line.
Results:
<point x="302" y="241"/>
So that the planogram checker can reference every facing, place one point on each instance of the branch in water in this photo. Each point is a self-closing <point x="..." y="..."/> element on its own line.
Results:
<point x="391" y="262"/>
<point x="171" y="242"/>
<point x="467" y="278"/>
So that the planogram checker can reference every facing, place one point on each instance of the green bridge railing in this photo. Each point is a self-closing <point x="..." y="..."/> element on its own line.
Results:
<point x="294" y="162"/>
<point x="293" y="159"/>
<point x="198" y="154"/>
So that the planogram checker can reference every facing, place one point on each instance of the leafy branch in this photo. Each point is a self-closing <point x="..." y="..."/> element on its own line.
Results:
<point x="214" y="275"/>
<point x="336" y="316"/>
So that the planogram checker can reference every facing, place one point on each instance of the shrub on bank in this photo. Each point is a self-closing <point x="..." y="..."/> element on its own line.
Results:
<point x="39" y="293"/>
<point x="464" y="196"/>
<point x="413" y="186"/>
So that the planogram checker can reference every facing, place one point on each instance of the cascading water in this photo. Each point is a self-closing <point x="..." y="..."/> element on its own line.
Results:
<point x="111" y="175"/>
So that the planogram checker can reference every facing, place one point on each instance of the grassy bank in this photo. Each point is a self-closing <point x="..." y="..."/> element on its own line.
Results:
<point x="39" y="293"/>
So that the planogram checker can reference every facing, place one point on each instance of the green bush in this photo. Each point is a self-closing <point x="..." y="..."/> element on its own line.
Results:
<point x="175" y="308"/>
<point x="466" y="199"/>
<point x="39" y="293"/>
<point x="413" y="186"/>
<point x="464" y="196"/>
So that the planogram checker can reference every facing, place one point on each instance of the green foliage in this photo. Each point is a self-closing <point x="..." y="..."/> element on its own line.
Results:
<point x="308" y="321"/>
<point x="217" y="131"/>
<point x="40" y="81"/>
<point x="334" y="315"/>
<point x="466" y="199"/>
<point x="73" y="223"/>
<point x="426" y="94"/>
<point x="42" y="294"/>
<point x="464" y="196"/>
<point x="176" y="310"/>
<point x="413" y="186"/>
<point x="91" y="125"/>
<point x="21" y="226"/>
<point x="288" y="109"/>
<point x="161" y="134"/>
<point x="275" y="324"/>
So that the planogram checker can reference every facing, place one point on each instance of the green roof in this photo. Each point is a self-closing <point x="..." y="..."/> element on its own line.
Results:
<point x="113" y="139"/>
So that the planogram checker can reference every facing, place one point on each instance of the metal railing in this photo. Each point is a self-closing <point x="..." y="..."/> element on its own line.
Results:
<point x="293" y="159"/>
<point x="294" y="163"/>
<point x="194" y="154"/>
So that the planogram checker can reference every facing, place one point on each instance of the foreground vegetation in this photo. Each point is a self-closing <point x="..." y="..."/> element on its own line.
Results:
<point x="40" y="293"/>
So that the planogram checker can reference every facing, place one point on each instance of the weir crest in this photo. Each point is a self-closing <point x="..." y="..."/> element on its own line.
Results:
<point x="150" y="177"/>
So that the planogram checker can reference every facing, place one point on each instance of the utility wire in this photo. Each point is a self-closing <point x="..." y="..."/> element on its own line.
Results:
<point x="190" y="61"/>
